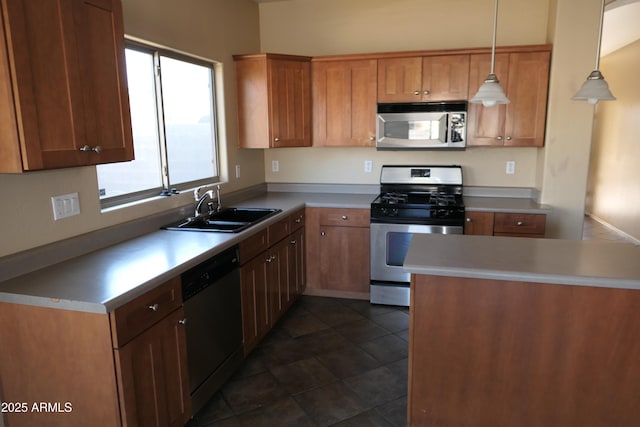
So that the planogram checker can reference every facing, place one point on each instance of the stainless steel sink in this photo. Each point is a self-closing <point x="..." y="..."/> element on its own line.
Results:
<point x="227" y="220"/>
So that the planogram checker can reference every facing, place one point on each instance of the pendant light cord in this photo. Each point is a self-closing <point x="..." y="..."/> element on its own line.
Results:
<point x="495" y="27"/>
<point x="599" y="37"/>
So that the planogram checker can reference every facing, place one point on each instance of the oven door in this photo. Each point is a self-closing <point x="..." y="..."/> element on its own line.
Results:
<point x="389" y="246"/>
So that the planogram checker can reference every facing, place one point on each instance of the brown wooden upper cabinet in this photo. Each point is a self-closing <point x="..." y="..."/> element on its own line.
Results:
<point x="344" y="102"/>
<point x="525" y="78"/>
<point x="63" y="88"/>
<point x="274" y="100"/>
<point x="421" y="79"/>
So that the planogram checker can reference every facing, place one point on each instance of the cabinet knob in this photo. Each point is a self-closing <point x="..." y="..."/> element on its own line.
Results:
<point x="183" y="321"/>
<point x="85" y="149"/>
<point x="276" y="139"/>
<point x="293" y="242"/>
<point x="372" y="138"/>
<point x="344" y="217"/>
<point x="508" y="138"/>
<point x="426" y="92"/>
<point x="298" y="220"/>
<point x="154" y="307"/>
<point x="519" y="223"/>
<point x="468" y="219"/>
<point x="322" y="233"/>
<point x="416" y="92"/>
<point x="499" y="138"/>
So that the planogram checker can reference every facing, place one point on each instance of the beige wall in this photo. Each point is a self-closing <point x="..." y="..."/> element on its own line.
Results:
<point x="614" y="184"/>
<point x="559" y="171"/>
<point x="214" y="29"/>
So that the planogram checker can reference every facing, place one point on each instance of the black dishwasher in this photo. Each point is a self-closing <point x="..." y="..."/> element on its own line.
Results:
<point x="213" y="308"/>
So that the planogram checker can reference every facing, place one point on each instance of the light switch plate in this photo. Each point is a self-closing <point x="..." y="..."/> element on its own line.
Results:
<point x="65" y="206"/>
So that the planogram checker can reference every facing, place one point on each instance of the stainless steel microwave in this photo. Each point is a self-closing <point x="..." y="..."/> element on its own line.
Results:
<point x="425" y="125"/>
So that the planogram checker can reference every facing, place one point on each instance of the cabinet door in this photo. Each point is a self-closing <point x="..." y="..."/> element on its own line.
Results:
<point x="255" y="310"/>
<point x="297" y="264"/>
<point x="152" y="375"/>
<point x="290" y="103"/>
<point x="400" y="79"/>
<point x="527" y="90"/>
<point x="445" y="78"/>
<point x="344" y="103"/>
<point x="479" y="223"/>
<point x="277" y="281"/>
<point x="99" y="34"/>
<point x="486" y="125"/>
<point x="344" y="257"/>
<point x="69" y="83"/>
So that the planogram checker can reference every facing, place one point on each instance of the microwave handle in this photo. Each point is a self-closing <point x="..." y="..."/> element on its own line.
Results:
<point x="444" y="128"/>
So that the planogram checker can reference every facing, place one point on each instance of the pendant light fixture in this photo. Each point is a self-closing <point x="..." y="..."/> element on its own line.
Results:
<point x="595" y="88"/>
<point x="491" y="93"/>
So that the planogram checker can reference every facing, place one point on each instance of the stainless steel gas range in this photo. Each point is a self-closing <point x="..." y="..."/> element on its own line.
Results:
<point x="413" y="200"/>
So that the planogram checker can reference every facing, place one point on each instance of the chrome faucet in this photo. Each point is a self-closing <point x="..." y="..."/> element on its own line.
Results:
<point x="208" y="195"/>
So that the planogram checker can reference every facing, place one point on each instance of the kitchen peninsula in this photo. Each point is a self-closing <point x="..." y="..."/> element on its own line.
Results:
<point x="527" y="332"/>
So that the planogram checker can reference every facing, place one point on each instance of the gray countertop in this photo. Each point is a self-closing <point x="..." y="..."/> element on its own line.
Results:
<point x="567" y="262"/>
<point x="504" y="204"/>
<point x="105" y="279"/>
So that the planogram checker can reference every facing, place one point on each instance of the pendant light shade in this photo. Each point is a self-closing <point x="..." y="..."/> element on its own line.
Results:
<point x="595" y="88"/>
<point x="491" y="93"/>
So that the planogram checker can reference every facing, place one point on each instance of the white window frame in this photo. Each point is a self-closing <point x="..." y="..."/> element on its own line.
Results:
<point x="168" y="188"/>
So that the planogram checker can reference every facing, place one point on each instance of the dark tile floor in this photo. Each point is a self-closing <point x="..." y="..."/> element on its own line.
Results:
<point x="327" y="362"/>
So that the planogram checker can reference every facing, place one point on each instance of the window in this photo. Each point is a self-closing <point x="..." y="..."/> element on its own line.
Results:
<point x="174" y="127"/>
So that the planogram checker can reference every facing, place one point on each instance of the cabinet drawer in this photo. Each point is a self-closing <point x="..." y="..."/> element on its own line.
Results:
<point x="345" y="217"/>
<point x="252" y="246"/>
<point x="141" y="313"/>
<point x="296" y="220"/>
<point x="519" y="224"/>
<point x="278" y="231"/>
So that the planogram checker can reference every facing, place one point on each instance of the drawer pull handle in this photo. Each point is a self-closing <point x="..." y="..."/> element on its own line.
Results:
<point x="519" y="223"/>
<point x="293" y="242"/>
<point x="154" y="307"/>
<point x="344" y="217"/>
<point x="298" y="220"/>
<point x="86" y="149"/>
<point x="183" y="321"/>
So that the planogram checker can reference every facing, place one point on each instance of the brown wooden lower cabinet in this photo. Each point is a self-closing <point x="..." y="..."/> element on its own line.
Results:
<point x="152" y="380"/>
<point x="504" y="224"/>
<point x="338" y="247"/>
<point x="488" y="353"/>
<point x="272" y="265"/>
<point x="126" y="368"/>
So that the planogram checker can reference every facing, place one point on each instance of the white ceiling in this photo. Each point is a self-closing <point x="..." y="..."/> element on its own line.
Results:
<point x="620" y="26"/>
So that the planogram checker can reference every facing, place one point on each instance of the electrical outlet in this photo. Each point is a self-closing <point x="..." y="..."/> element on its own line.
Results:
<point x="511" y="167"/>
<point x="237" y="171"/>
<point x="275" y="166"/>
<point x="65" y="206"/>
<point x="368" y="166"/>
